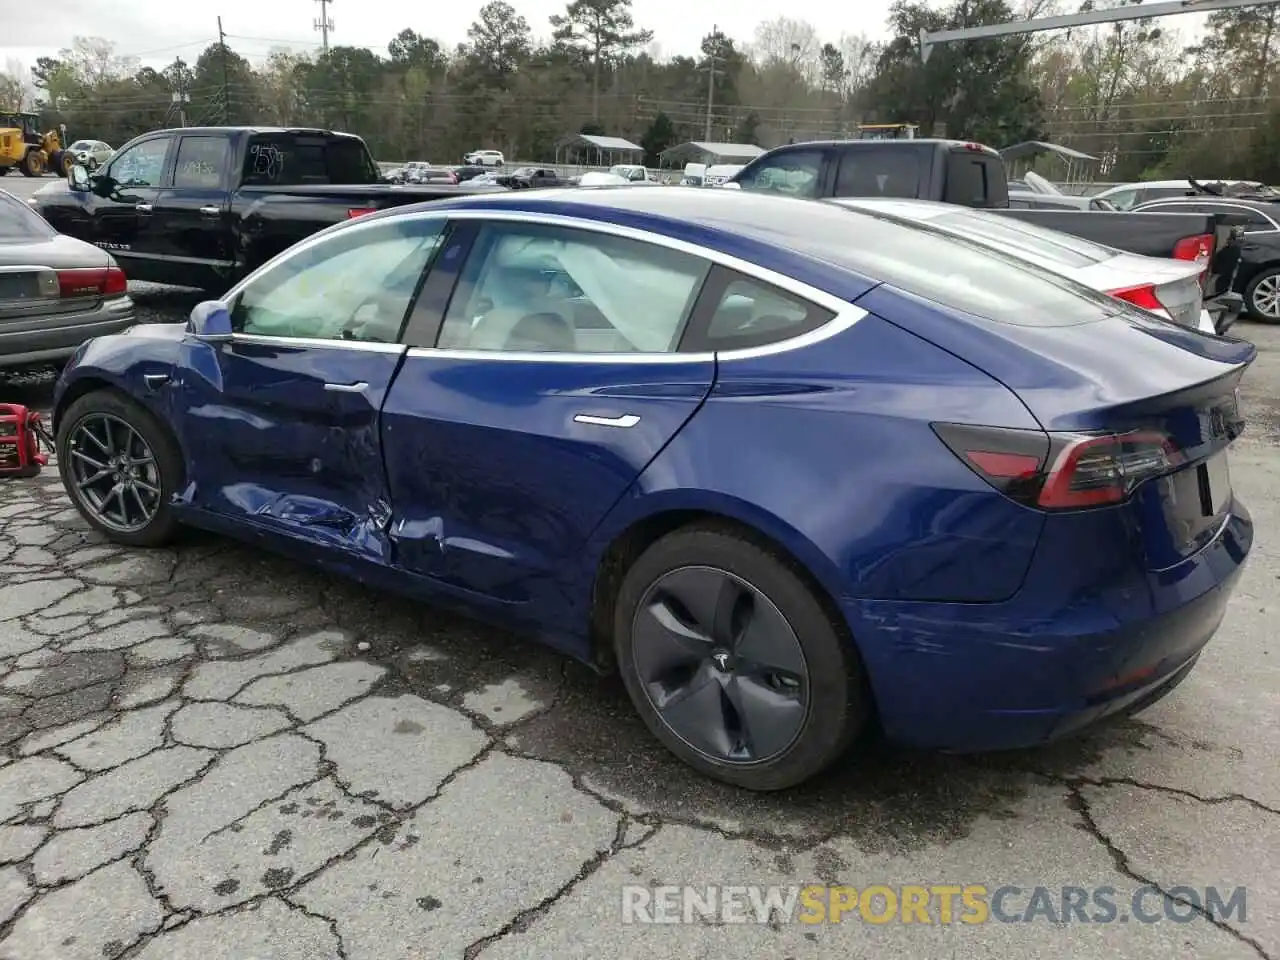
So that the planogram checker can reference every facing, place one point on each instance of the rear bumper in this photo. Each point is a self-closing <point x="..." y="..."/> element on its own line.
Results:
<point x="976" y="677"/>
<point x="54" y="338"/>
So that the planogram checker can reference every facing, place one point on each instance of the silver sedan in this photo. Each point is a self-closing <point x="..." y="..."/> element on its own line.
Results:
<point x="55" y="291"/>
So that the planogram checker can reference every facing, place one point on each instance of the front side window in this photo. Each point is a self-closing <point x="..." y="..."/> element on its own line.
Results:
<point x="529" y="287"/>
<point x="1123" y="199"/>
<point x="357" y="284"/>
<point x="141" y="166"/>
<point x="796" y="173"/>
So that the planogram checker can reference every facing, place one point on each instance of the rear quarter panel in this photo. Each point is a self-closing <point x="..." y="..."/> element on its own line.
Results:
<point x="829" y="451"/>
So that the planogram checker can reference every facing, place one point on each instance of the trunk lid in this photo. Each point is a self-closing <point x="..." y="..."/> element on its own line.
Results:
<point x="1170" y="392"/>
<point x="29" y="286"/>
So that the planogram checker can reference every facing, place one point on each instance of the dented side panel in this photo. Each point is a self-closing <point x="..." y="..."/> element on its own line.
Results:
<point x="286" y="437"/>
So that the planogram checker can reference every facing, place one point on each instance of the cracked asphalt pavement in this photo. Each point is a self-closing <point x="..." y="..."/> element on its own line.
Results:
<point x="211" y="753"/>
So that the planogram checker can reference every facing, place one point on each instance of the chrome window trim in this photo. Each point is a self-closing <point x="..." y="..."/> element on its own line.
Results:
<point x="1275" y="227"/>
<point x="846" y="314"/>
<point x="368" y="346"/>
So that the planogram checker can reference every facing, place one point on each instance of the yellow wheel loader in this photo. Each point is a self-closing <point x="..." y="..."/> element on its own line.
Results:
<point x="24" y="147"/>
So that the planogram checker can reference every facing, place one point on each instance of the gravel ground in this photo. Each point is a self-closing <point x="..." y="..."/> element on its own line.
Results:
<point x="209" y="752"/>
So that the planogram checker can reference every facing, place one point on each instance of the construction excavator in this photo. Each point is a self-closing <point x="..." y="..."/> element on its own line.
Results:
<point x="24" y="147"/>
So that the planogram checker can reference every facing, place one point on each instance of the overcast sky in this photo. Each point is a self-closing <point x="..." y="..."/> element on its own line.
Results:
<point x="159" y="30"/>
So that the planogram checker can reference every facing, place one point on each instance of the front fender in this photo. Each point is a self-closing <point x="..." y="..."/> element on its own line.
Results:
<point x="125" y="362"/>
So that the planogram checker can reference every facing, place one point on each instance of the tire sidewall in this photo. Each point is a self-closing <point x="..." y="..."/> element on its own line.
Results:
<point x="837" y="706"/>
<point x="157" y="436"/>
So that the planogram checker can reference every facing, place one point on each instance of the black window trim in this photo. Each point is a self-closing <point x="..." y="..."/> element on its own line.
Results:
<point x="697" y="339"/>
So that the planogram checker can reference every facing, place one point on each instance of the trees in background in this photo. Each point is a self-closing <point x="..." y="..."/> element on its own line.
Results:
<point x="1131" y="94"/>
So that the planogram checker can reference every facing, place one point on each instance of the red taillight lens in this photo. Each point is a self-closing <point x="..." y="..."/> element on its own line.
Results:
<point x="1198" y="248"/>
<point x="92" y="282"/>
<point x="1062" y="471"/>
<point x="1143" y="296"/>
<point x="354" y="212"/>
<point x="1091" y="471"/>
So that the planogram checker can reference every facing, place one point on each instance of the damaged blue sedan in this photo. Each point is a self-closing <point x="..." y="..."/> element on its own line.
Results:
<point x="793" y="470"/>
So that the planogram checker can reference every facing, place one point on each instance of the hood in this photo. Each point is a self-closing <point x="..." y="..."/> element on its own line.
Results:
<point x="54" y="188"/>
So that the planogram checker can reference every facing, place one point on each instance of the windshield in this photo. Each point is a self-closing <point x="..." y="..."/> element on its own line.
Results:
<point x="20" y="222"/>
<point x="82" y="145"/>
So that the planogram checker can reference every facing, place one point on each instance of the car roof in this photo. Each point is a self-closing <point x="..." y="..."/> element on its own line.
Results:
<point x="1266" y="206"/>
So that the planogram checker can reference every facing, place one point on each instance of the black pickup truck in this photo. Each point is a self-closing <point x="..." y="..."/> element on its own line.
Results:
<point x="973" y="175"/>
<point x="203" y="206"/>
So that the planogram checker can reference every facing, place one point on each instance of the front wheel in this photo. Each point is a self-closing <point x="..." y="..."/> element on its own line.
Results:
<point x="33" y="164"/>
<point x="121" y="468"/>
<point x="1262" y="296"/>
<point x="733" y="663"/>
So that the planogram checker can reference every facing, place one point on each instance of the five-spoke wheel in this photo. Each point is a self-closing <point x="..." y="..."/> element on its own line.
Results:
<point x="734" y="662"/>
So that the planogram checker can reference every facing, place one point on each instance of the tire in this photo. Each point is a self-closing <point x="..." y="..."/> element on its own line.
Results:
<point x="168" y="476"/>
<point x="813" y="734"/>
<point x="1269" y="282"/>
<point x="32" y="164"/>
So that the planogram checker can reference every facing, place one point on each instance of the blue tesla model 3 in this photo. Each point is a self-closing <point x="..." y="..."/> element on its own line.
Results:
<point x="791" y="469"/>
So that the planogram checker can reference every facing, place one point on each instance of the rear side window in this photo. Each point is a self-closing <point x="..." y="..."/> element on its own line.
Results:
<point x="1013" y="236"/>
<point x="970" y="180"/>
<point x="201" y="161"/>
<point x="288" y="160"/>
<point x="964" y="274"/>
<point x="20" y="222"/>
<point x="795" y="173"/>
<point x="872" y="172"/>
<point x="736" y="311"/>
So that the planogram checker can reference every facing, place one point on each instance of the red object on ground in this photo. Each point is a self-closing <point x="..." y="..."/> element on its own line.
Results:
<point x="21" y="433"/>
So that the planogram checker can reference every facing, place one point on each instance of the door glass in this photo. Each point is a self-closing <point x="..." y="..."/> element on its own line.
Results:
<point x="141" y="166"/>
<point x="529" y="287"/>
<point x="201" y="161"/>
<point x="1123" y="199"/>
<point x="795" y="173"/>
<point x="355" y="285"/>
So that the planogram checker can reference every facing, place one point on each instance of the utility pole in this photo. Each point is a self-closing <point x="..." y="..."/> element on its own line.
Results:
<point x="323" y="24"/>
<point x="711" y="78"/>
<point x="222" y="49"/>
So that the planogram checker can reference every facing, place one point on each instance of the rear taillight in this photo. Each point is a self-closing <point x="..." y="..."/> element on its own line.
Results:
<point x="1199" y="249"/>
<point x="1062" y="471"/>
<point x="354" y="212"/>
<point x="1142" y="296"/>
<point x="92" y="282"/>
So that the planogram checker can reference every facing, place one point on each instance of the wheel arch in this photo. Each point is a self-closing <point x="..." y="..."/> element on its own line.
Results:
<point x="75" y="390"/>
<point x="616" y="550"/>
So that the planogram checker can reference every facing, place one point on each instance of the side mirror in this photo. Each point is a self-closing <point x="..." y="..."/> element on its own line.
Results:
<point x="78" y="178"/>
<point x="210" y="321"/>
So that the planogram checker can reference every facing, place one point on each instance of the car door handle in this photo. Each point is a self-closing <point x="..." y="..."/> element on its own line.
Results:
<point x="143" y="207"/>
<point x="358" y="387"/>
<point x="626" y="420"/>
<point x="210" y="211"/>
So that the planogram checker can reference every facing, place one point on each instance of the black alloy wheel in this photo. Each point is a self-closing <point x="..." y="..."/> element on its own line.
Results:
<point x="734" y="662"/>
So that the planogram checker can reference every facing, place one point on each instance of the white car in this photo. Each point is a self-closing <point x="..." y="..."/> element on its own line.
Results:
<point x="633" y="172"/>
<point x="599" y="178"/>
<point x="484" y="158"/>
<point x="1166" y="287"/>
<point x="91" y="153"/>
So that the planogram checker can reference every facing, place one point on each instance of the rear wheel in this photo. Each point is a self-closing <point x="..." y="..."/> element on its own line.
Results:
<point x="732" y="661"/>
<point x="32" y="164"/>
<point x="121" y="467"/>
<point x="1262" y="296"/>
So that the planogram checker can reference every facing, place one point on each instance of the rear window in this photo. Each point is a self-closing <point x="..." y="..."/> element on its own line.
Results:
<point x="959" y="273"/>
<point x="974" y="179"/>
<point x="20" y="222"/>
<point x="1013" y="236"/>
<point x="289" y="160"/>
